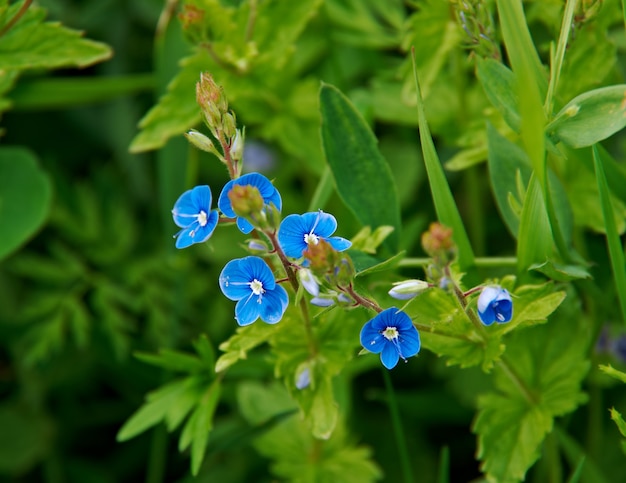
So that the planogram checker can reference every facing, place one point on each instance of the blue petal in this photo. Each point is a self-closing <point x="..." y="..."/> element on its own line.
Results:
<point x="322" y="301"/>
<point x="409" y="342"/>
<point x="371" y="338"/>
<point x="291" y="235"/>
<point x="189" y="205"/>
<point x="203" y="233"/>
<point x="487" y="317"/>
<point x="389" y="356"/>
<point x="234" y="280"/>
<point x="268" y="192"/>
<point x="273" y="305"/>
<point x="488" y="295"/>
<point x="184" y="238"/>
<point x="248" y="310"/>
<point x="244" y="225"/>
<point x="338" y="243"/>
<point x="258" y="270"/>
<point x="223" y="202"/>
<point x="320" y="223"/>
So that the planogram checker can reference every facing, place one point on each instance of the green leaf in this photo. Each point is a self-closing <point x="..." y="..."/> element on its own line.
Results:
<point x="362" y="176"/>
<point x="539" y="380"/>
<point x="177" y="110"/>
<point x="611" y="371"/>
<point x="173" y="360"/>
<point x="366" y="265"/>
<point x="445" y="206"/>
<point x="25" y="196"/>
<point x="619" y="421"/>
<point x="367" y="242"/>
<point x="244" y="340"/>
<point x="203" y="423"/>
<point x="34" y="44"/>
<point x="289" y="442"/>
<point x="500" y="86"/>
<point x="154" y="410"/>
<point x="560" y="272"/>
<point x="535" y="232"/>
<point x="616" y="250"/>
<point x="590" y="117"/>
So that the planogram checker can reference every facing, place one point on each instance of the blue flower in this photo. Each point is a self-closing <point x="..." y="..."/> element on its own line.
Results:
<point x="192" y="212"/>
<point x="268" y="192"/>
<point x="495" y="305"/>
<point x="251" y="283"/>
<point x="297" y="232"/>
<point x="392" y="335"/>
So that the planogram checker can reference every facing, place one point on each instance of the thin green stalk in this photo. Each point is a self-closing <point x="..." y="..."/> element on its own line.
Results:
<point x="158" y="455"/>
<point x="398" y="431"/>
<point x="18" y="15"/>
<point x="484" y="262"/>
<point x="557" y="61"/>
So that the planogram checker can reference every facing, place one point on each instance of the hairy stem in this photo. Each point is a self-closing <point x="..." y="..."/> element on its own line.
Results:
<point x="18" y="15"/>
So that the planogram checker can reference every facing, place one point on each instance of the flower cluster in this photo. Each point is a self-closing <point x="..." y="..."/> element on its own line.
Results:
<point x="303" y="251"/>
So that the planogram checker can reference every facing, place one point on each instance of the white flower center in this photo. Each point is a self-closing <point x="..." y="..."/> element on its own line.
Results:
<point x="311" y="238"/>
<point x="257" y="287"/>
<point x="202" y="218"/>
<point x="390" y="333"/>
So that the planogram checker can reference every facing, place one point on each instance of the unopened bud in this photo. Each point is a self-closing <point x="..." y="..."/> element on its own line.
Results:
<point x="322" y="257"/>
<point x="307" y="279"/>
<point x="408" y="289"/>
<point x="246" y="200"/>
<point x="229" y="124"/>
<point x="236" y="146"/>
<point x="201" y="141"/>
<point x="212" y="100"/>
<point x="438" y="242"/>
<point x="257" y="247"/>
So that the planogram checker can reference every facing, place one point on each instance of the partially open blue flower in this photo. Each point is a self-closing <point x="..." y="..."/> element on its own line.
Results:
<point x="297" y="232"/>
<point x="251" y="283"/>
<point x="268" y="192"/>
<point x="192" y="212"/>
<point x="392" y="335"/>
<point x="495" y="305"/>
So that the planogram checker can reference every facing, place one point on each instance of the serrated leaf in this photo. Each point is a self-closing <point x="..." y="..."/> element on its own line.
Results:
<point x="362" y="176"/>
<point x="539" y="380"/>
<point x="619" y="421"/>
<point x="367" y="241"/>
<point x="590" y="117"/>
<point x="446" y="330"/>
<point x="25" y="196"/>
<point x="34" y="44"/>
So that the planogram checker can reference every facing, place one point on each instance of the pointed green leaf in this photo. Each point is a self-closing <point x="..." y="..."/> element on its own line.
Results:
<point x="153" y="410"/>
<point x="611" y="371"/>
<point x="616" y="250"/>
<point x="362" y="176"/>
<point x="590" y="117"/>
<point x="499" y="84"/>
<point x="25" y="196"/>
<point x="203" y="425"/>
<point x="34" y="44"/>
<point x="534" y="240"/>
<point x="445" y="206"/>
<point x="560" y="272"/>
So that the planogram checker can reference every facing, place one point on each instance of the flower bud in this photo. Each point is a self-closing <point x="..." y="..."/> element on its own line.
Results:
<point x="438" y="243"/>
<point x="212" y="100"/>
<point x="408" y="289"/>
<point x="257" y="247"/>
<point x="308" y="281"/>
<point x="246" y="200"/>
<point x="202" y="142"/>
<point x="229" y="124"/>
<point x="236" y="145"/>
<point x="322" y="257"/>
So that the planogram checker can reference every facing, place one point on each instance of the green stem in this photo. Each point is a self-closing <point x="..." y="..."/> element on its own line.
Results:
<point x="291" y="276"/>
<point x="484" y="262"/>
<point x="398" y="432"/>
<point x="18" y="15"/>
